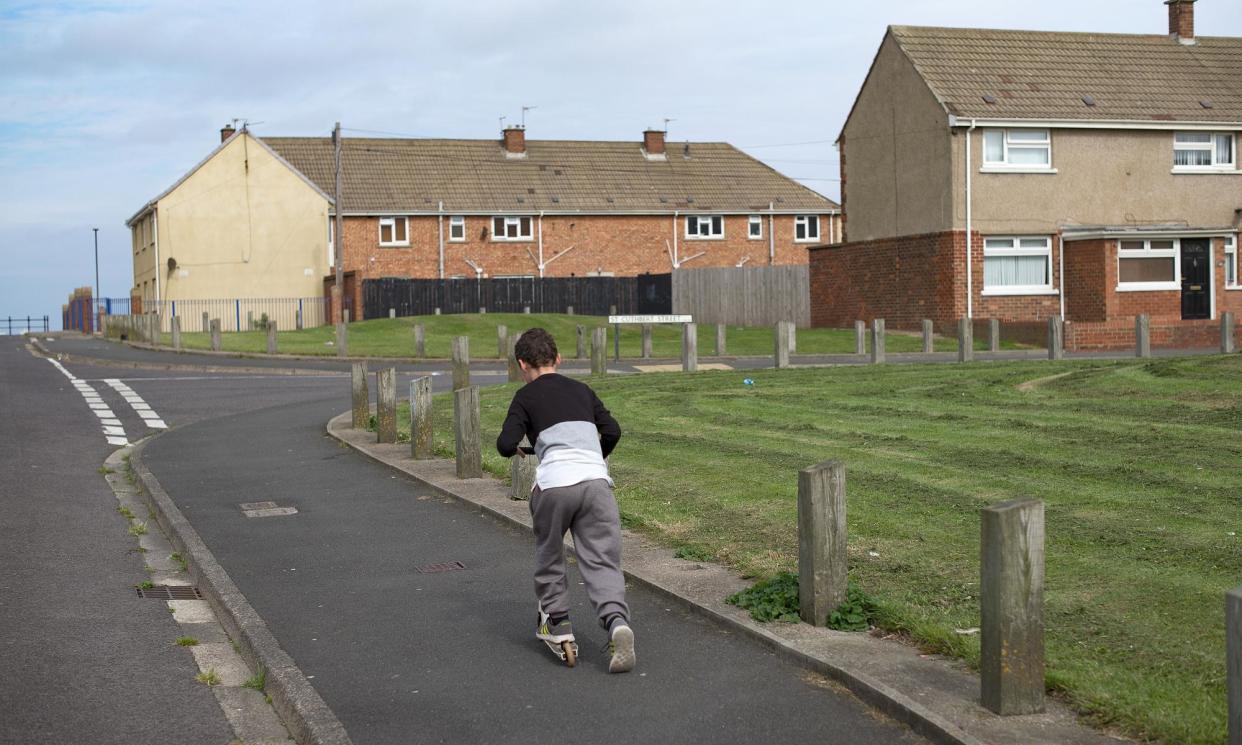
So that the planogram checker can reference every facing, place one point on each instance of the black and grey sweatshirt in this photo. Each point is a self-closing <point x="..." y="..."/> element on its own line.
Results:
<point x="571" y="430"/>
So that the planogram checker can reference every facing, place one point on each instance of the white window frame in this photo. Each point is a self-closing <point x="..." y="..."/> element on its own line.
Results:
<point x="391" y="222"/>
<point x="1208" y="147"/>
<point x="751" y="223"/>
<point x="698" y="221"/>
<point x="457" y="221"/>
<point x="1231" y="262"/>
<point x="998" y="249"/>
<point x="1007" y="143"/>
<point x="515" y="222"/>
<point x="805" y="222"/>
<point x="1147" y="252"/>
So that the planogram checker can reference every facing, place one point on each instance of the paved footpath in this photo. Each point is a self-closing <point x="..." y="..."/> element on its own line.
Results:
<point x="450" y="657"/>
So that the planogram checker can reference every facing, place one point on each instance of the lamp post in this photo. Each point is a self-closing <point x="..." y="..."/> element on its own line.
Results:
<point x="95" y="301"/>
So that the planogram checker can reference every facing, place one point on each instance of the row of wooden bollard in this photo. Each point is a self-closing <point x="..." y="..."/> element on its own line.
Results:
<point x="1011" y="584"/>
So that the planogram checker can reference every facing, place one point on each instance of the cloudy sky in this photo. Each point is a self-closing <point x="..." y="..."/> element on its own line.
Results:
<point x="104" y="104"/>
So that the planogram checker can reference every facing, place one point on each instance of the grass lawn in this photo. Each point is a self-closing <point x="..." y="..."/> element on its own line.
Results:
<point x="395" y="338"/>
<point x="1138" y="462"/>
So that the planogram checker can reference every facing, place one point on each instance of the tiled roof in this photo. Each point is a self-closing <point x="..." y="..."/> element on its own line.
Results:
<point x="415" y="175"/>
<point x="1045" y="75"/>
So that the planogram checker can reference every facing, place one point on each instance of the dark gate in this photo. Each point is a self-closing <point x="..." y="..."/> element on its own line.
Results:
<point x="590" y="296"/>
<point x="1196" y="287"/>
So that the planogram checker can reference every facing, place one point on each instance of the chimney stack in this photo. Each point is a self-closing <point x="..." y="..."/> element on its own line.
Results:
<point x="1182" y="20"/>
<point x="653" y="142"/>
<point x="226" y="132"/>
<point x="515" y="141"/>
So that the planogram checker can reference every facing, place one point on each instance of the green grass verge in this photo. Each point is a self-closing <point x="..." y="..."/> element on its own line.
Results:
<point x="1138" y="462"/>
<point x="395" y="338"/>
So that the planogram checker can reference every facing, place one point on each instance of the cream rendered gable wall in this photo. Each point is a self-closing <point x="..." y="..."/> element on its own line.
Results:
<point x="244" y="225"/>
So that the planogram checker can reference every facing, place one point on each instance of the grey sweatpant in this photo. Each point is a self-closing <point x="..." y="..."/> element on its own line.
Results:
<point x="589" y="511"/>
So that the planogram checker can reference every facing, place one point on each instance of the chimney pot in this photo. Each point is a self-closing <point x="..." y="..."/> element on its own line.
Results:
<point x="515" y="140"/>
<point x="653" y="142"/>
<point x="1182" y="20"/>
<point x="226" y="132"/>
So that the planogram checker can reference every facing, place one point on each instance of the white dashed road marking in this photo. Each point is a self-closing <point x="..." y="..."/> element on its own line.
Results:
<point x="113" y="431"/>
<point x="140" y="407"/>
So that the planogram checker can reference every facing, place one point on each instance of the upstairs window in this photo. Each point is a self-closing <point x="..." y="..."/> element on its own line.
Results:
<point x="1022" y="149"/>
<point x="806" y="228"/>
<point x="1148" y="265"/>
<point x="1203" y="150"/>
<point x="457" y="228"/>
<point x="754" y="227"/>
<point x="510" y="228"/>
<point x="704" y="226"/>
<point x="1016" y="266"/>
<point x="394" y="231"/>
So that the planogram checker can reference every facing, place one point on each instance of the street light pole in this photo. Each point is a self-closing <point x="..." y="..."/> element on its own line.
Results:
<point x="95" y="301"/>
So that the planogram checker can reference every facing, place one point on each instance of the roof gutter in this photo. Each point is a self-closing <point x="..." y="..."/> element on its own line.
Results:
<point x="590" y="213"/>
<point x="955" y="121"/>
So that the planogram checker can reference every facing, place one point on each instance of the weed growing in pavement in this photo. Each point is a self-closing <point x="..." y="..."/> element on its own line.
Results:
<point x="258" y="681"/>
<point x="146" y="584"/>
<point x="138" y="528"/>
<point x="181" y="562"/>
<point x="774" y="599"/>
<point x="105" y="470"/>
<point x="210" y="677"/>
<point x="126" y="512"/>
<point x="857" y="612"/>
<point x="694" y="553"/>
<point x="187" y="641"/>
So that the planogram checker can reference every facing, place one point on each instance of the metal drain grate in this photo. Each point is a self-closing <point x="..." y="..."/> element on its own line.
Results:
<point x="450" y="566"/>
<point x="170" y="592"/>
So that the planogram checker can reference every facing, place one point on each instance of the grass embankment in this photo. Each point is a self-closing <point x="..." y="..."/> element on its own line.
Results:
<point x="1139" y="464"/>
<point x="395" y="338"/>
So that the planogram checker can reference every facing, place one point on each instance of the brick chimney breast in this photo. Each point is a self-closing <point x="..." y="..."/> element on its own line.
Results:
<point x="1182" y="20"/>
<point x="653" y="142"/>
<point x="226" y="132"/>
<point x="515" y="142"/>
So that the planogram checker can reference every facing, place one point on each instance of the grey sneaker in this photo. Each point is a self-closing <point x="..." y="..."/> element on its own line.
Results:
<point x="621" y="649"/>
<point x="555" y="633"/>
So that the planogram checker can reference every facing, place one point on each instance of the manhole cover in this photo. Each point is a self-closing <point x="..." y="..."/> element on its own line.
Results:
<point x="170" y="592"/>
<point x="265" y="509"/>
<point x="449" y="566"/>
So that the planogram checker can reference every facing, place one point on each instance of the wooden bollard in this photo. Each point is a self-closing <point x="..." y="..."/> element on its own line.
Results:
<point x="342" y="340"/>
<point x="965" y="340"/>
<point x="569" y="311"/>
<point x="156" y="328"/>
<point x="522" y="473"/>
<point x="928" y="344"/>
<point x="271" y="337"/>
<point x="689" y="347"/>
<point x="526" y="310"/>
<point x="720" y="340"/>
<point x="860" y="337"/>
<point x="176" y="332"/>
<point x="1226" y="333"/>
<point x="879" y="352"/>
<point x="1233" y="662"/>
<point x="580" y="353"/>
<point x="482" y="311"/>
<point x="1011" y="607"/>
<point x="360" y="396"/>
<point x="467" y="432"/>
<point x="461" y="362"/>
<point x="420" y="340"/>
<point x="386" y="405"/>
<point x="437" y="311"/>
<point x="206" y="323"/>
<point x="782" y="345"/>
<point x="1056" y="338"/>
<point x="421" y="444"/>
<point x="215" y="335"/>
<point x="392" y="312"/>
<point x="821" y="541"/>
<point x="792" y="330"/>
<point x="646" y="345"/>
<point x="515" y="370"/>
<point x="298" y="319"/>
<point x="599" y="351"/>
<point x="345" y="315"/>
<point x="502" y="341"/>
<point x="993" y="335"/>
<point x="1142" y="335"/>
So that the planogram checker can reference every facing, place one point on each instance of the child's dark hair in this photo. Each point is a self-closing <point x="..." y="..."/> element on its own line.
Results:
<point x="536" y="348"/>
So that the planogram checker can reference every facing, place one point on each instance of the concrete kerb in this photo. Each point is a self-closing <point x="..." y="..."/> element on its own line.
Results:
<point x="944" y="707"/>
<point x="299" y="705"/>
<point x="128" y="364"/>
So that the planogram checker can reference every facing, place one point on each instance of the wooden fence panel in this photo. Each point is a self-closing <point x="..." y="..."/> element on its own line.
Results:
<point x="744" y="296"/>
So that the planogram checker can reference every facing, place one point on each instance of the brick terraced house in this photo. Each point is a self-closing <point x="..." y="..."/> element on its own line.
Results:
<point x="1096" y="175"/>
<point x="436" y="208"/>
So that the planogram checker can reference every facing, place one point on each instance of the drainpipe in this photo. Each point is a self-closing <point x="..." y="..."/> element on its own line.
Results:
<point x="970" y="287"/>
<point x="675" y="239"/>
<point x="155" y="229"/>
<point x="1061" y="270"/>
<point x="540" y="244"/>
<point x="771" y="234"/>
<point x="440" y="226"/>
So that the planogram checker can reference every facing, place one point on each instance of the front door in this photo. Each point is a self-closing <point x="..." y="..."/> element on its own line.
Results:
<point x="1196" y="280"/>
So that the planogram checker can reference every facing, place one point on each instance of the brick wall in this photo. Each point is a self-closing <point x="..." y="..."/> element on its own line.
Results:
<point x="1168" y="333"/>
<point x="1090" y="276"/>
